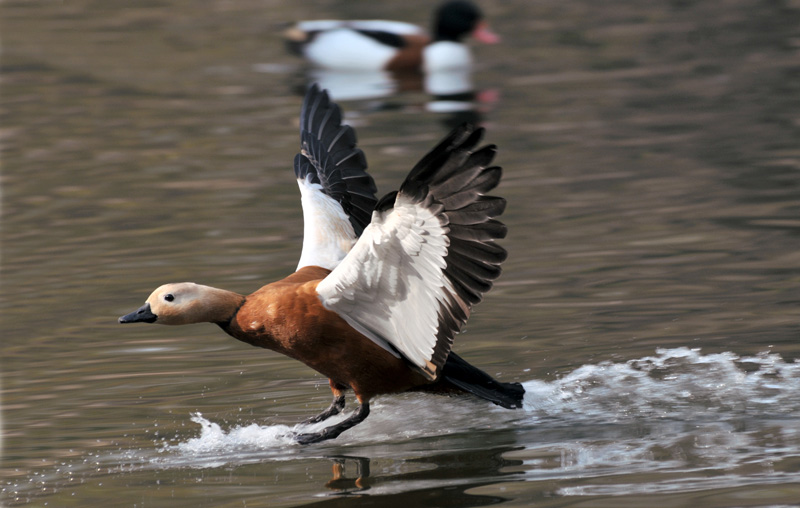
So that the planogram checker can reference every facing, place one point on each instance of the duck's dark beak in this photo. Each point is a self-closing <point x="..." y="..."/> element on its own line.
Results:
<point x="141" y="315"/>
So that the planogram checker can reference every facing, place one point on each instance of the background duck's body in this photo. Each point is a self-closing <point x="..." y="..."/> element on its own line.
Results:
<point x="364" y="45"/>
<point x="381" y="45"/>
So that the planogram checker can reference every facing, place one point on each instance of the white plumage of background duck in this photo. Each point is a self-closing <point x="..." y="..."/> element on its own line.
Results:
<point x="379" y="45"/>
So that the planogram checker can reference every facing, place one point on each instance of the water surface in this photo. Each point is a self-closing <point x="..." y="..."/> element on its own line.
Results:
<point x="649" y="304"/>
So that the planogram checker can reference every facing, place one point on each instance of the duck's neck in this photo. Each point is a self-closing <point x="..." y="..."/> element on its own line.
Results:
<point x="220" y="305"/>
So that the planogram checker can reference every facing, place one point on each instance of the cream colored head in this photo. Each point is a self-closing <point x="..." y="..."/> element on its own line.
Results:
<point x="184" y="303"/>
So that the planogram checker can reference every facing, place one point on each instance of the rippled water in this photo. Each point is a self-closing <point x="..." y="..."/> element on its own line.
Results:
<point x="649" y="304"/>
<point x="679" y="423"/>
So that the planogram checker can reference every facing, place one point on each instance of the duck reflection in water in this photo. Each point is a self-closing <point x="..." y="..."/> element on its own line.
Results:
<point x="342" y="482"/>
<point x="382" y="286"/>
<point x="447" y="477"/>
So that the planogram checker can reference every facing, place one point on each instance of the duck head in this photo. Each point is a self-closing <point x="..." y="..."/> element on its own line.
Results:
<point x="456" y="19"/>
<point x="184" y="303"/>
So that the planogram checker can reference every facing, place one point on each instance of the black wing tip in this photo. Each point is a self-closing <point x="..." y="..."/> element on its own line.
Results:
<point x="314" y="99"/>
<point x="462" y="139"/>
<point x="329" y="156"/>
<point x="314" y="93"/>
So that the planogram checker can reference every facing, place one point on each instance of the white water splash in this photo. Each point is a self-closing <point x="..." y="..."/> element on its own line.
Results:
<point x="675" y="383"/>
<point x="673" y="396"/>
<point x="212" y="438"/>
<point x="714" y="419"/>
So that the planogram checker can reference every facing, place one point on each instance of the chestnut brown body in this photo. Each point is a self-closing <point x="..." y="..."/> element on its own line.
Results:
<point x="288" y="317"/>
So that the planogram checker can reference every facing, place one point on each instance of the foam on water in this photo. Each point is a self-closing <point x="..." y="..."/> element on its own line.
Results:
<point x="213" y="438"/>
<point x="734" y="418"/>
<point x="215" y="447"/>
<point x="674" y="383"/>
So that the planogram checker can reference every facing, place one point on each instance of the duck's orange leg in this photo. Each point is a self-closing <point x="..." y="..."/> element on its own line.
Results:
<point x="333" y="431"/>
<point x="336" y="406"/>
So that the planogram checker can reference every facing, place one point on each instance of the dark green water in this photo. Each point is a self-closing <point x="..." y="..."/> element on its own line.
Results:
<point x="650" y="303"/>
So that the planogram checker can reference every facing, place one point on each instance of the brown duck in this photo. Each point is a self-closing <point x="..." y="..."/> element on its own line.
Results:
<point x="383" y="286"/>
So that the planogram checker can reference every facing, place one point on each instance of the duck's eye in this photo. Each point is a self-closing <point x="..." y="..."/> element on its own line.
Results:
<point x="169" y="297"/>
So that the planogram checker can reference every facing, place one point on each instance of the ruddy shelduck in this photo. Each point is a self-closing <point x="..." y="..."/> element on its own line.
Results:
<point x="382" y="286"/>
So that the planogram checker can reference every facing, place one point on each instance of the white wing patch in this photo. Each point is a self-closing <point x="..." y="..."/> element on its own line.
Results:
<point x="327" y="233"/>
<point x="392" y="284"/>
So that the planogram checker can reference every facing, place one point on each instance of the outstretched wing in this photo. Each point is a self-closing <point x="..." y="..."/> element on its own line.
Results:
<point x="428" y="255"/>
<point x="337" y="193"/>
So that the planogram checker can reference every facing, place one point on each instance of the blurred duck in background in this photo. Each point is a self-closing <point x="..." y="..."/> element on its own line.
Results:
<point x="379" y="45"/>
<point x="368" y="59"/>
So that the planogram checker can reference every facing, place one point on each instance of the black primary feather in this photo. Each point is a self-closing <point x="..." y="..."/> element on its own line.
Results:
<point x="329" y="157"/>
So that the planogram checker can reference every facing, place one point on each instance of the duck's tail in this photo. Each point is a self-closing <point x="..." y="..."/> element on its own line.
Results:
<point x="465" y="377"/>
